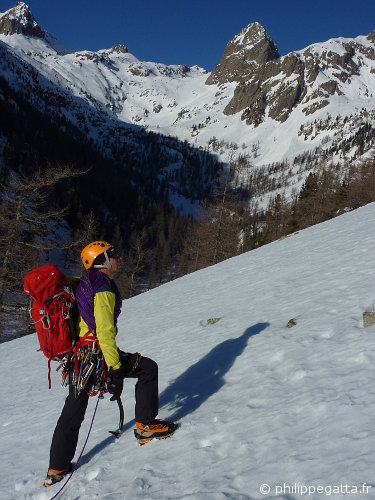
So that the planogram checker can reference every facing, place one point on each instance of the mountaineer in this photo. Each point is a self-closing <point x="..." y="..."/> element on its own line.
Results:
<point x="99" y="305"/>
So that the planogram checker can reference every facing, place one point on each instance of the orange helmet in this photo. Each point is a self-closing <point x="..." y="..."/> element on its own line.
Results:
<point x="93" y="250"/>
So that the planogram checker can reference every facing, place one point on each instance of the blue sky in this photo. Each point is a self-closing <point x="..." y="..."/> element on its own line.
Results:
<point x="196" y="31"/>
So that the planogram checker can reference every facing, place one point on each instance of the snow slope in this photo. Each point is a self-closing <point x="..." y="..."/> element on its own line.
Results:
<point x="260" y="404"/>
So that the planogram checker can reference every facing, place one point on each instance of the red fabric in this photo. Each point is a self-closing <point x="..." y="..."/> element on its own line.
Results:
<point x="50" y="314"/>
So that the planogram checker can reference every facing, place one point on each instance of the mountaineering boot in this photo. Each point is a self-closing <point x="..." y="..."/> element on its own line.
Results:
<point x="157" y="429"/>
<point x="54" y="476"/>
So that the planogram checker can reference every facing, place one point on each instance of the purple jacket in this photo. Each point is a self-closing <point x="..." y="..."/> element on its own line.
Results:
<point x="92" y="282"/>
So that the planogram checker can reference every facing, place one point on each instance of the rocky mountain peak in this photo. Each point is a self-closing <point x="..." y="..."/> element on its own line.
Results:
<point x="371" y="36"/>
<point x="19" y="20"/>
<point x="250" y="35"/>
<point x="243" y="55"/>
<point x="119" y="49"/>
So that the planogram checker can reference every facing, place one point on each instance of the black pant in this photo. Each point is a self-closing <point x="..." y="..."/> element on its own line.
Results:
<point x="65" y="437"/>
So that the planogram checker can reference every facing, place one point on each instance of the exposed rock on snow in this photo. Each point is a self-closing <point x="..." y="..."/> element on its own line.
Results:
<point x="19" y="20"/>
<point x="251" y="49"/>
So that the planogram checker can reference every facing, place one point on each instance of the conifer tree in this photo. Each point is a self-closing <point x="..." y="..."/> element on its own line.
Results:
<point x="275" y="219"/>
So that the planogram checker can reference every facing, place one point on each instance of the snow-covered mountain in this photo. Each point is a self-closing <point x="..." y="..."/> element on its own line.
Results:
<point x="259" y="403"/>
<point x="274" y="108"/>
<point x="20" y="21"/>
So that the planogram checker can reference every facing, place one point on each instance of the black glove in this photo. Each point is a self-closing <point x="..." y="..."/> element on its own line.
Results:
<point x="115" y="383"/>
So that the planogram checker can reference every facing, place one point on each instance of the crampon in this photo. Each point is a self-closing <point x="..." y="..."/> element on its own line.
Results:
<point x="55" y="476"/>
<point x="157" y="429"/>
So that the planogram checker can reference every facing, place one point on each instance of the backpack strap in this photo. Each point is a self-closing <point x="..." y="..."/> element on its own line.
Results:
<point x="89" y="338"/>
<point x="49" y="373"/>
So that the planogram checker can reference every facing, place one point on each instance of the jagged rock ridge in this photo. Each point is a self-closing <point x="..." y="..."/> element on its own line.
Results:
<point x="273" y="86"/>
<point x="19" y="20"/>
<point x="315" y="99"/>
<point x="244" y="55"/>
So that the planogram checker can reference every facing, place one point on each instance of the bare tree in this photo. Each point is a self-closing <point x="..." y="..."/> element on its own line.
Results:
<point x="135" y="263"/>
<point x="26" y="227"/>
<point x="217" y="236"/>
<point x="80" y="238"/>
<point x="222" y="214"/>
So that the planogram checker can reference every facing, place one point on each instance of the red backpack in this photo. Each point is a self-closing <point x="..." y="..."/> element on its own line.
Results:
<point x="51" y="310"/>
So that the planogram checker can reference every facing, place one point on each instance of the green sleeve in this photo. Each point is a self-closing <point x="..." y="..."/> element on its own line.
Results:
<point x="104" y="307"/>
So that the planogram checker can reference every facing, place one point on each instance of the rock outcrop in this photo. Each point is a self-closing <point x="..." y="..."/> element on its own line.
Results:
<point x="244" y="55"/>
<point x="19" y="20"/>
<point x="273" y="86"/>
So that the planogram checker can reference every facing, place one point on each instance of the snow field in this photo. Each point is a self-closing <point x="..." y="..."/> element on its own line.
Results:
<point x="258" y="403"/>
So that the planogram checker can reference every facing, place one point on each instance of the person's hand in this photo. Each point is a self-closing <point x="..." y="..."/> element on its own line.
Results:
<point x="115" y="383"/>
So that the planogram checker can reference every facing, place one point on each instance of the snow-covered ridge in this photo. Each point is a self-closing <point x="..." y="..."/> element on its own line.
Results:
<point x="254" y="99"/>
<point x="19" y="20"/>
<point x="259" y="403"/>
<point x="253" y="30"/>
<point x="20" y="13"/>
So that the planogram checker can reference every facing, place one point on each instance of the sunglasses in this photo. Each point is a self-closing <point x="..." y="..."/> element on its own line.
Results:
<point x="114" y="254"/>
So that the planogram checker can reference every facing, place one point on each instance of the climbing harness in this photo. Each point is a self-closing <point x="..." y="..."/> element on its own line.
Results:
<point x="135" y="366"/>
<point x="82" y="363"/>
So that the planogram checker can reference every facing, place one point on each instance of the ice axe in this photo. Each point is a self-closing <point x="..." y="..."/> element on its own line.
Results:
<point x="117" y="433"/>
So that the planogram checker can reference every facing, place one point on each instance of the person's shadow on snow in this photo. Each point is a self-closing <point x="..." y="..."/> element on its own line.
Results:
<point x="198" y="383"/>
<point x="206" y="377"/>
